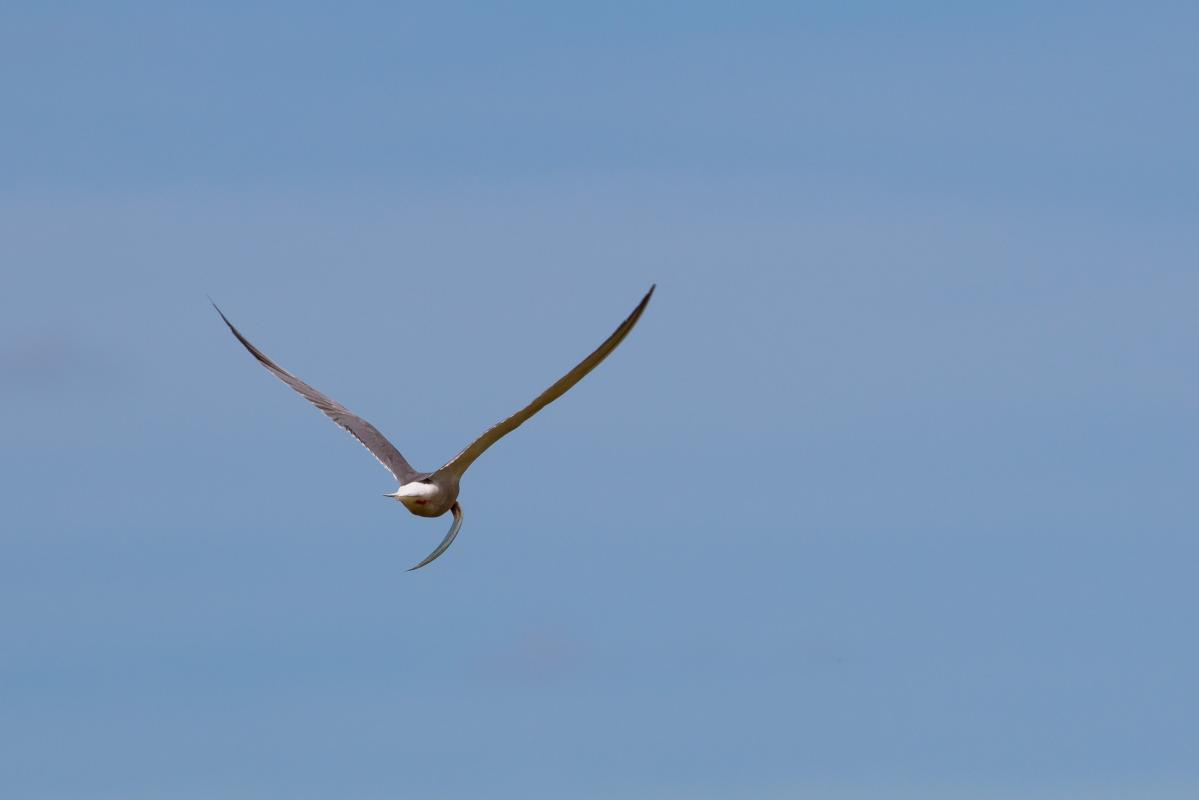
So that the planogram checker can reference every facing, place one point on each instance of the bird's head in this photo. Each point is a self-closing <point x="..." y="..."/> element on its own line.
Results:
<point x="416" y="493"/>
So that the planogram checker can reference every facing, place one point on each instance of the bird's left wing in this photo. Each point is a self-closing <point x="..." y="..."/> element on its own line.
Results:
<point x="459" y="463"/>
<point x="368" y="435"/>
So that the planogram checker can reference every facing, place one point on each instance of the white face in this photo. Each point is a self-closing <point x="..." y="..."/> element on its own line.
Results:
<point x="416" y="493"/>
<point x="416" y="489"/>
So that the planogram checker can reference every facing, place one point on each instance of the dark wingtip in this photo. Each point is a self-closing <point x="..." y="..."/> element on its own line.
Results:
<point x="218" y="310"/>
<point x="254" y="351"/>
<point x="645" y="300"/>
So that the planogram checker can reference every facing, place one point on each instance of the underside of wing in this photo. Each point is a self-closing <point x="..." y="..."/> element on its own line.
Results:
<point x="360" y="429"/>
<point x="459" y="463"/>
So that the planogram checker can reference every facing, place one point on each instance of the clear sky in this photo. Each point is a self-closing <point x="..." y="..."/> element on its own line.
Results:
<point x="892" y="493"/>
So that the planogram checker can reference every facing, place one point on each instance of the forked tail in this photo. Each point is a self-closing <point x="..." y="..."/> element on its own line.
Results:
<point x="456" y="510"/>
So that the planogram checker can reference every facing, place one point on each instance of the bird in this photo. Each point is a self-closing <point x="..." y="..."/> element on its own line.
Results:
<point x="432" y="494"/>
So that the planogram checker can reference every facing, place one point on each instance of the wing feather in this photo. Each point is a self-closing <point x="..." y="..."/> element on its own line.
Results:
<point x="459" y="463"/>
<point x="366" y="434"/>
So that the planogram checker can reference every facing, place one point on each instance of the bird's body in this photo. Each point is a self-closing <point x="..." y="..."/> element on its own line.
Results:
<point x="431" y="494"/>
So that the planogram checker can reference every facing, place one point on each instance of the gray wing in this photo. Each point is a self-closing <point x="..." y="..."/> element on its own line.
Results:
<point x="459" y="463"/>
<point x="359" y="428"/>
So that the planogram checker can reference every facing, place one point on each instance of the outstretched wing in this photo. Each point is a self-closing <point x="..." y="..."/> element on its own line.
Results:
<point x="359" y="428"/>
<point x="459" y="463"/>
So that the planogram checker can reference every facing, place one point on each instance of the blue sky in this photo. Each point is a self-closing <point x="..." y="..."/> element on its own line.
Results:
<point x="891" y="493"/>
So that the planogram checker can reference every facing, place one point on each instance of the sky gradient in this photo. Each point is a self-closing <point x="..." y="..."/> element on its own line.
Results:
<point x="890" y="494"/>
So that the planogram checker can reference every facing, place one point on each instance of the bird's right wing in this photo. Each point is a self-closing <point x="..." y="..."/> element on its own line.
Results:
<point x="368" y="435"/>
<point x="459" y="463"/>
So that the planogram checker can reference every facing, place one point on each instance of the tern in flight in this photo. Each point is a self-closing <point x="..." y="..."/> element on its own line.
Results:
<point x="431" y="494"/>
